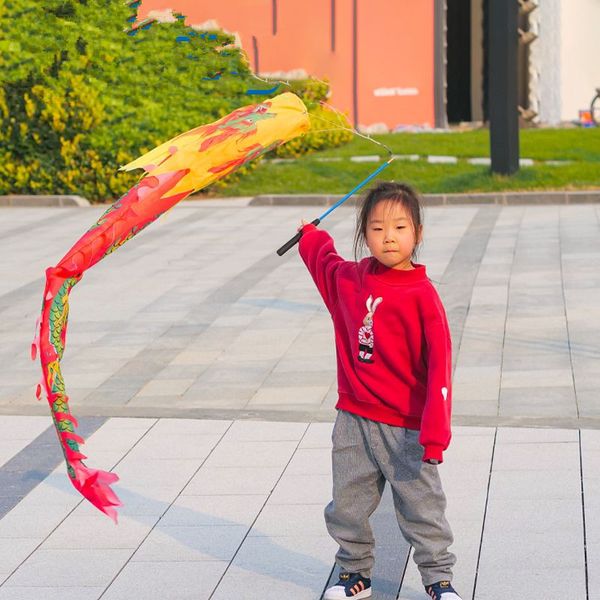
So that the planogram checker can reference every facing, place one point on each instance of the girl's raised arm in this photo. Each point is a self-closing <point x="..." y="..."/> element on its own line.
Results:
<point x="322" y="260"/>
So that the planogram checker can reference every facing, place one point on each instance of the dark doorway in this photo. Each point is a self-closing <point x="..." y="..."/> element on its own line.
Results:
<point x="458" y="69"/>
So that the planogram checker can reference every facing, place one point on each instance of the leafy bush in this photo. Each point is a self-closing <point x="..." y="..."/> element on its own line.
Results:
<point x="79" y="97"/>
<point x="329" y="129"/>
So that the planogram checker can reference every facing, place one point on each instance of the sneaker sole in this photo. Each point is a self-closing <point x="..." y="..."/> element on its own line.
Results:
<point x="359" y="596"/>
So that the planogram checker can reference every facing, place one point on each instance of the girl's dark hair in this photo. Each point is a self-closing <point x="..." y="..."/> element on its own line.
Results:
<point x="387" y="190"/>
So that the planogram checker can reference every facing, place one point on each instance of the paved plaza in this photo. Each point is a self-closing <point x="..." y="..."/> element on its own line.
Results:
<point x="200" y="365"/>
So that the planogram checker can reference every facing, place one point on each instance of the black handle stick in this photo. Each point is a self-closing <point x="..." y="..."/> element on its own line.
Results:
<point x="292" y="242"/>
<point x="297" y="237"/>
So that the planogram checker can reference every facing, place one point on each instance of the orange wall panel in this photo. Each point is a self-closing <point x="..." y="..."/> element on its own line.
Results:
<point x="395" y="60"/>
<point x="394" y="48"/>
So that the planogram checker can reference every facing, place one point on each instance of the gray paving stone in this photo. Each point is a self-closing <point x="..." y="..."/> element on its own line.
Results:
<point x="158" y="472"/>
<point x="191" y="427"/>
<point x="248" y="431"/>
<point x="318" y="435"/>
<point x="201" y="394"/>
<point x="250" y="373"/>
<point x="315" y="378"/>
<point x="226" y="398"/>
<point x="213" y="510"/>
<point x="154" y="403"/>
<point x="98" y="532"/>
<point x="310" y="395"/>
<point x="237" y="480"/>
<point x="472" y="392"/>
<point x="520" y="359"/>
<point x="165" y="387"/>
<point x="535" y="485"/>
<point x="137" y="502"/>
<point x="541" y="401"/>
<point x="191" y="543"/>
<point x="296" y="520"/>
<point x="519" y="435"/>
<point x="170" y="580"/>
<point x="542" y="378"/>
<point x="278" y="567"/>
<point x="174" y="446"/>
<point x="537" y="527"/>
<point x="15" y="552"/>
<point x="295" y="364"/>
<point x="308" y="461"/>
<point x="538" y="457"/>
<point x="180" y="371"/>
<point x="50" y="593"/>
<point x="495" y="295"/>
<point x="231" y="453"/>
<point x="52" y="567"/>
<point x="302" y="489"/>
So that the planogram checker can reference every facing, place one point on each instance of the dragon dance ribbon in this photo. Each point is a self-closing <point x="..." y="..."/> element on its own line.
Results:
<point x="175" y="169"/>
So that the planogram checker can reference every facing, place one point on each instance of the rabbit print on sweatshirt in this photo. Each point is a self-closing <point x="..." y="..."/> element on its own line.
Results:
<point x="366" y="339"/>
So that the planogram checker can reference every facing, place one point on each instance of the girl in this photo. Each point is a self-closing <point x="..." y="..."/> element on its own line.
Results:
<point x="394" y="368"/>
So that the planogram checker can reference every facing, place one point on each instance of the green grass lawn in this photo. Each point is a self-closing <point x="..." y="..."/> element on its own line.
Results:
<point x="306" y="175"/>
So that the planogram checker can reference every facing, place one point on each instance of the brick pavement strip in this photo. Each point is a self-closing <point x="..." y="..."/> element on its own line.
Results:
<point x="127" y="302"/>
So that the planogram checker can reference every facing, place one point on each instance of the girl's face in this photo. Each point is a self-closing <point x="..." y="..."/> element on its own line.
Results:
<point x="391" y="236"/>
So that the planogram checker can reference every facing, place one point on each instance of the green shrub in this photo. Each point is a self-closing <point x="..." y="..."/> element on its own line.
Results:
<point x="79" y="97"/>
<point x="329" y="128"/>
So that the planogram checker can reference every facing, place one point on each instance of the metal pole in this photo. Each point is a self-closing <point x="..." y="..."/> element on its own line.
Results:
<point x="440" y="63"/>
<point x="503" y="86"/>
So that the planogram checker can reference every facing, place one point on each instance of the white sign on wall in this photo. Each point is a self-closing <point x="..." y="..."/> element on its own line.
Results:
<point x="395" y="91"/>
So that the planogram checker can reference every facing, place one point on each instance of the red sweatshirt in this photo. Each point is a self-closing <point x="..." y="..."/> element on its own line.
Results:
<point x="394" y="355"/>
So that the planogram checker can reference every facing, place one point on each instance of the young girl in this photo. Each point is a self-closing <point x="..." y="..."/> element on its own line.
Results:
<point x="394" y="368"/>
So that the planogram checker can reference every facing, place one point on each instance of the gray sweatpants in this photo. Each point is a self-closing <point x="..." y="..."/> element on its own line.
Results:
<point x="365" y="455"/>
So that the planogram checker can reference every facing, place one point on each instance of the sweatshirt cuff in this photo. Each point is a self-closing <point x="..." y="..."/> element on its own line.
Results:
<point x="308" y="227"/>
<point x="435" y="452"/>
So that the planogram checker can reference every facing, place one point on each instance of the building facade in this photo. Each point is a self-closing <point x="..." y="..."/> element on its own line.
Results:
<point x="393" y="63"/>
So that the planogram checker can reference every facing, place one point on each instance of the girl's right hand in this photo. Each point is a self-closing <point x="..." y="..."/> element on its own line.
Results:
<point x="303" y="223"/>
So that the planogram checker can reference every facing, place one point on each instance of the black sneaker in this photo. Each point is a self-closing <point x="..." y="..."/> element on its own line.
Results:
<point x="442" y="590"/>
<point x="350" y="585"/>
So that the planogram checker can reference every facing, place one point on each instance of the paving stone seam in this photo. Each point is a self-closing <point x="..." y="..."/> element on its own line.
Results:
<point x="166" y="509"/>
<point x="583" y="515"/>
<point x="42" y="455"/>
<point x="485" y="510"/>
<point x="403" y="575"/>
<point x="565" y="312"/>
<point x="506" y="313"/>
<point x="258" y="514"/>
